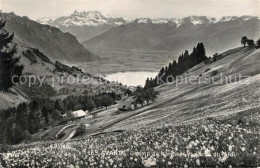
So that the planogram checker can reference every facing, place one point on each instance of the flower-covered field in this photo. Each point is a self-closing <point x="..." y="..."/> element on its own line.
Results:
<point x="231" y="142"/>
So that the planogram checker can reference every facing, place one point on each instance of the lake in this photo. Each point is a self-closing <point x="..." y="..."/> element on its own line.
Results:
<point x="131" y="78"/>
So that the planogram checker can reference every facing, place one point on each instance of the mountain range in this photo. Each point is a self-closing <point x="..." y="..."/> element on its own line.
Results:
<point x="95" y="30"/>
<point x="55" y="44"/>
<point x="179" y="34"/>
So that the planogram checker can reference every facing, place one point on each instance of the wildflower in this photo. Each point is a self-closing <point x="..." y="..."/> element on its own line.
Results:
<point x="198" y="162"/>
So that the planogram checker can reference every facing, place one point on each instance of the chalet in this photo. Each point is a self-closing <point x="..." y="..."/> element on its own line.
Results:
<point x="79" y="114"/>
<point x="132" y="88"/>
<point x="126" y="105"/>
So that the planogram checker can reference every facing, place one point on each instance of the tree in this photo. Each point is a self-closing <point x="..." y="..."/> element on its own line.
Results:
<point x="106" y="101"/>
<point x="22" y="115"/>
<point x="128" y="92"/>
<point x="9" y="64"/>
<point x="78" y="107"/>
<point x="59" y="105"/>
<point x="201" y="53"/>
<point x="250" y="43"/>
<point x="147" y="83"/>
<point x="258" y="43"/>
<point x="90" y="106"/>
<point x="56" y="114"/>
<point x="150" y="94"/>
<point x="139" y="96"/>
<point x="184" y="63"/>
<point x="244" y="40"/>
<point x="215" y="57"/>
<point x="80" y="130"/>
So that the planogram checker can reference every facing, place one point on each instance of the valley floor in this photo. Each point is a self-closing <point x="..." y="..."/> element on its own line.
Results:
<point x="120" y="60"/>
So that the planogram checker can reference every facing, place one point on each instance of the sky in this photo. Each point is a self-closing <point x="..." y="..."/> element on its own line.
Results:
<point x="133" y="8"/>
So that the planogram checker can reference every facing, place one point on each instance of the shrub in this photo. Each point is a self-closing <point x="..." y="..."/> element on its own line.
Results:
<point x="208" y="60"/>
<point x="215" y="57"/>
<point x="80" y="130"/>
<point x="60" y="135"/>
<point x="214" y="72"/>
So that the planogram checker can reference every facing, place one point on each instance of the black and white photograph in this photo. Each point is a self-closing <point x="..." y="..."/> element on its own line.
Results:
<point x="129" y="83"/>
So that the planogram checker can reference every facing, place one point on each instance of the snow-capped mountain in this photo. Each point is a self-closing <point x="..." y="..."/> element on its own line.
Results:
<point x="86" y="25"/>
<point x="195" y="20"/>
<point x="84" y="18"/>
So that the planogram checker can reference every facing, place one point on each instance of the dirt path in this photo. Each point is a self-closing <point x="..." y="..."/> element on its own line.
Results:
<point x="70" y="135"/>
<point x="63" y="128"/>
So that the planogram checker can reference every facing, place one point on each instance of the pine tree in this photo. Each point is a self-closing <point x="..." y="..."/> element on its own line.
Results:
<point x="147" y="83"/>
<point x="201" y="53"/>
<point x="174" y="66"/>
<point x="8" y="62"/>
<point x="185" y="62"/>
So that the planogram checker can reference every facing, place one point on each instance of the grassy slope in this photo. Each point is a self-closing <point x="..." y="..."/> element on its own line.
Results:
<point x="194" y="102"/>
<point x="187" y="103"/>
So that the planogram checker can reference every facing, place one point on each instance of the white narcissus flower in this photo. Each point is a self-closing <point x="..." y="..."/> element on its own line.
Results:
<point x="230" y="148"/>
<point x="207" y="152"/>
<point x="198" y="162"/>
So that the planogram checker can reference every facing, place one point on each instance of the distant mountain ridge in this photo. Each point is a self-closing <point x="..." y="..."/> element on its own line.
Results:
<point x="195" y="20"/>
<point x="179" y="34"/>
<point x="96" y="18"/>
<point x="58" y="46"/>
<point x="88" y="24"/>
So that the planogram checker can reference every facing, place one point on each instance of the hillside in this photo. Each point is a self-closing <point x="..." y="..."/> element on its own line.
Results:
<point x="39" y="67"/>
<point x="189" y="124"/>
<point x="58" y="46"/>
<point x="192" y="102"/>
<point x="179" y="34"/>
